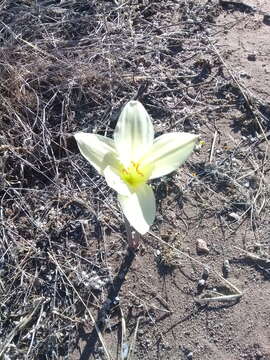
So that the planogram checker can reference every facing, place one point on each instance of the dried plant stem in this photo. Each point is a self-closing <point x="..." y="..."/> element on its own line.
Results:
<point x="213" y="147"/>
<point x="222" y="298"/>
<point x="22" y="324"/>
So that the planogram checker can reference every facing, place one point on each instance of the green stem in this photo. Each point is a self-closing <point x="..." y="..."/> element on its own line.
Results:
<point x="133" y="237"/>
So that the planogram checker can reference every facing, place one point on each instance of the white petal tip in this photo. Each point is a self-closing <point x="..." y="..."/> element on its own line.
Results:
<point x="139" y="208"/>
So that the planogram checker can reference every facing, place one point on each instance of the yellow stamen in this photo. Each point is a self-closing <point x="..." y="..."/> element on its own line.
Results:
<point x="133" y="175"/>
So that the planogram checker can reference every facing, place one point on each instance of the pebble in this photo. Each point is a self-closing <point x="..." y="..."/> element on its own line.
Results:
<point x="259" y="355"/>
<point x="266" y="19"/>
<point x="234" y="216"/>
<point x="205" y="274"/>
<point x="251" y="57"/>
<point x="157" y="253"/>
<point x="226" y="268"/>
<point x="201" y="247"/>
<point x="201" y="283"/>
<point x="244" y="74"/>
<point x="116" y="300"/>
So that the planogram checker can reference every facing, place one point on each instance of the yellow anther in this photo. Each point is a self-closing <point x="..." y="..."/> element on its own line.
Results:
<point x="133" y="175"/>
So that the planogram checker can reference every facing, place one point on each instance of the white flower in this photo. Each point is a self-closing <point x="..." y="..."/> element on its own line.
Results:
<point x="132" y="158"/>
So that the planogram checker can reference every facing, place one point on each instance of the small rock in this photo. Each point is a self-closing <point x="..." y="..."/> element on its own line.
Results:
<point x="157" y="253"/>
<point x="234" y="216"/>
<point x="201" y="247"/>
<point x="244" y="74"/>
<point x="190" y="355"/>
<point x="147" y="342"/>
<point x="260" y="155"/>
<point x="116" y="300"/>
<point x="205" y="274"/>
<point x="251" y="57"/>
<point x="201" y="283"/>
<point x="266" y="19"/>
<point x="226" y="268"/>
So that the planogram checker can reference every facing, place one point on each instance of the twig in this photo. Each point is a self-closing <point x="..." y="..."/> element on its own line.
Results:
<point x="213" y="147"/>
<point x="252" y="256"/>
<point x="132" y="345"/>
<point x="86" y="307"/>
<point x="20" y="326"/>
<point x="150" y="305"/>
<point x="218" y="298"/>
<point x="123" y="336"/>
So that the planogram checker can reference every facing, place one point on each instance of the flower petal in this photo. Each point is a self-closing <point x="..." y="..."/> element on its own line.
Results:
<point x="134" y="133"/>
<point x="114" y="181"/>
<point x="98" y="150"/>
<point x="168" y="152"/>
<point x="139" y="208"/>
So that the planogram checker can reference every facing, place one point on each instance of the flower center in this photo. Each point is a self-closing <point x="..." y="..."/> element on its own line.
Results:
<point x="133" y="175"/>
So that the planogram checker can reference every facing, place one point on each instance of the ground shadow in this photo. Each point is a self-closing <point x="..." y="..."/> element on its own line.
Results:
<point x="262" y="265"/>
<point x="92" y="338"/>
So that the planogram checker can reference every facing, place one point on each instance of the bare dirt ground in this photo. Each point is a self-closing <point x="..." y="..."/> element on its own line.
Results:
<point x="69" y="288"/>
